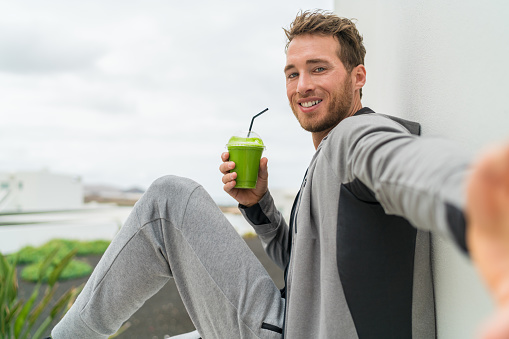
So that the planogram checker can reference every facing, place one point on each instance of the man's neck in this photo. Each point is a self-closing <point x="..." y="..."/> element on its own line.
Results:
<point x="318" y="136"/>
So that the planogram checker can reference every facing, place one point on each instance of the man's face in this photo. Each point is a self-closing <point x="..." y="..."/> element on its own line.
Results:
<point x="319" y="88"/>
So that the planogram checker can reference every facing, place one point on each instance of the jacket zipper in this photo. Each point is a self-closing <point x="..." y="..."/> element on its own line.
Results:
<point x="293" y="225"/>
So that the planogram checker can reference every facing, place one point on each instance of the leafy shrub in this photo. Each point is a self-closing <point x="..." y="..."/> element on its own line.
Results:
<point x="30" y="254"/>
<point x="18" y="317"/>
<point x="75" y="269"/>
<point x="95" y="247"/>
<point x="34" y="256"/>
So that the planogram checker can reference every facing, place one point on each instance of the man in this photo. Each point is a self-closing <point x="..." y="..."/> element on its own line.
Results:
<point x="356" y="251"/>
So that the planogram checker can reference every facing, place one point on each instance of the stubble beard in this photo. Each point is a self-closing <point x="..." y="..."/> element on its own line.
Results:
<point x="338" y="109"/>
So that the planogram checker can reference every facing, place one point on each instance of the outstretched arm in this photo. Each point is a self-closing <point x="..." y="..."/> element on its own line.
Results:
<point x="433" y="184"/>
<point x="488" y="232"/>
<point x="420" y="179"/>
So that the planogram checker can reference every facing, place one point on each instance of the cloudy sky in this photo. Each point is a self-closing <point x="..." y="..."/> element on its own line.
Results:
<point x="122" y="92"/>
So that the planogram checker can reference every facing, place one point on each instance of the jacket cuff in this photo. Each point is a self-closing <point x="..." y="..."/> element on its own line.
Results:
<point x="457" y="226"/>
<point x="255" y="214"/>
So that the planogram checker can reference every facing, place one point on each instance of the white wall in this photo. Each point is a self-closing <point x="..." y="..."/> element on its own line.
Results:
<point x="40" y="191"/>
<point x="446" y="65"/>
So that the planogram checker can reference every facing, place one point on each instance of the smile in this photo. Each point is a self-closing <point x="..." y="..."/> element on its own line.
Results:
<point x="310" y="103"/>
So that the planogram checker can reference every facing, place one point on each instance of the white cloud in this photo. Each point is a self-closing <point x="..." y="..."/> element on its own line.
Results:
<point x="124" y="92"/>
<point x="31" y="49"/>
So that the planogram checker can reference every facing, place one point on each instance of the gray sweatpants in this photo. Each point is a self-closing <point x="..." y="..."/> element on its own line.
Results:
<point x="177" y="231"/>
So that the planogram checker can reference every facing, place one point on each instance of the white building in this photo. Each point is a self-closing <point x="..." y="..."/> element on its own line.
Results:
<point x="444" y="64"/>
<point x="39" y="191"/>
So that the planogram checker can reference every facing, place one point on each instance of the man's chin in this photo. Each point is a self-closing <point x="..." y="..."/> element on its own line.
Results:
<point x="313" y="126"/>
<point x="318" y="128"/>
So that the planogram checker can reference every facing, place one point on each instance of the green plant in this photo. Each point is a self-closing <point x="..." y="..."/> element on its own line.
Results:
<point x="18" y="317"/>
<point x="95" y="247"/>
<point x="30" y="254"/>
<point x="74" y="269"/>
<point x="33" y="256"/>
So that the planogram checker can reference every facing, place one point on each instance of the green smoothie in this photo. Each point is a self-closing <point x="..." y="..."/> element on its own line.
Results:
<point x="246" y="154"/>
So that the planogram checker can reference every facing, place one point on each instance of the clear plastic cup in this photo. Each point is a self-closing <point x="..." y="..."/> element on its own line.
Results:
<point x="246" y="152"/>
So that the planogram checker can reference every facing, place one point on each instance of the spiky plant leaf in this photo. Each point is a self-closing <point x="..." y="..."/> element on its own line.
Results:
<point x="60" y="267"/>
<point x="46" y="263"/>
<point x="21" y="318"/>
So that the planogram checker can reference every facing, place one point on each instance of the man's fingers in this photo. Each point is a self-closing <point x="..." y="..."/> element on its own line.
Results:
<point x="263" y="173"/>
<point x="488" y="189"/>
<point x="225" y="156"/>
<point x="497" y="327"/>
<point x="492" y="172"/>
<point x="229" y="186"/>
<point x="225" y="167"/>
<point x="503" y="169"/>
<point x="227" y="178"/>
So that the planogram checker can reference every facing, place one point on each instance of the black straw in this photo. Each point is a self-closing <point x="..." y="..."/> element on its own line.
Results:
<point x="252" y="120"/>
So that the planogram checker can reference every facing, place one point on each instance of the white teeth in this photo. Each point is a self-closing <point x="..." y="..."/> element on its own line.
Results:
<point x="310" y="103"/>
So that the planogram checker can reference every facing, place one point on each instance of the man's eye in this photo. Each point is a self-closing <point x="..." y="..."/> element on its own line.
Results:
<point x="319" y="69"/>
<point x="292" y="75"/>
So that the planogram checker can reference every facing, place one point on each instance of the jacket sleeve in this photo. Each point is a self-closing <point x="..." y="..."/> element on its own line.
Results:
<point x="271" y="228"/>
<point x="419" y="178"/>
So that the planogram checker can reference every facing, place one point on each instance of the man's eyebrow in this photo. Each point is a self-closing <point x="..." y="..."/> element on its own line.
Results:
<point x="317" y="61"/>
<point x="308" y="62"/>
<point x="287" y="67"/>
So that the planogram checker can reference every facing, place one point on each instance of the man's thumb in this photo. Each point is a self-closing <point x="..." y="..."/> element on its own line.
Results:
<point x="264" y="172"/>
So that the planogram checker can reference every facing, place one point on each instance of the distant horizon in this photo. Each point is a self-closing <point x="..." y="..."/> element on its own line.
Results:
<point x="123" y="97"/>
<point x="220" y="197"/>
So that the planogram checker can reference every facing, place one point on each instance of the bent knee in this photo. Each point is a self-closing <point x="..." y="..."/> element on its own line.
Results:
<point x="172" y="185"/>
<point x="166" y="198"/>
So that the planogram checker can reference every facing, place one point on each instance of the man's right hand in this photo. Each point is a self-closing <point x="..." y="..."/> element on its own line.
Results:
<point x="488" y="232"/>
<point x="246" y="197"/>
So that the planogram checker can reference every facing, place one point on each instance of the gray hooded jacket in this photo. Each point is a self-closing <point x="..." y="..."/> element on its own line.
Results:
<point x="357" y="252"/>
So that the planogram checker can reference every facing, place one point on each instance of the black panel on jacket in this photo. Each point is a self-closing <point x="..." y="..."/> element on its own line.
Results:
<point x="457" y="225"/>
<point x="455" y="217"/>
<point x="375" y="256"/>
<point x="255" y="214"/>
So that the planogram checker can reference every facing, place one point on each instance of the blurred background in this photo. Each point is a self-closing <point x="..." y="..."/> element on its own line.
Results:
<point x="98" y="99"/>
<point x="119" y="93"/>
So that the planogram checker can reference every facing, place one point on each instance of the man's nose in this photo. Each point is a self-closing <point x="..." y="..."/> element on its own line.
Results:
<point x="305" y="84"/>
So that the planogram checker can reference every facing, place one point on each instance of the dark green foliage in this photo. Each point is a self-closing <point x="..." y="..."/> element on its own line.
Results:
<point x="30" y="254"/>
<point x="34" y="256"/>
<point x="75" y="269"/>
<point x="50" y="262"/>
<point x="18" y="317"/>
<point x="96" y="247"/>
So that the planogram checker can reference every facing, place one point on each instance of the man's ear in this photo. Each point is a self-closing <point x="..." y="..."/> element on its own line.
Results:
<point x="359" y="73"/>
